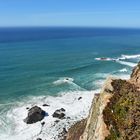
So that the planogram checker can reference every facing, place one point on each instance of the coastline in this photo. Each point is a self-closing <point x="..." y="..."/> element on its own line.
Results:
<point x="114" y="114"/>
<point x="55" y="128"/>
<point x="57" y="73"/>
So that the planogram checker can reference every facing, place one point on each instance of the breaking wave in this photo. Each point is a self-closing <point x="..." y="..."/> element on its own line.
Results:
<point x="14" y="128"/>
<point x="123" y="57"/>
<point x="130" y="64"/>
<point x="63" y="80"/>
<point x="121" y="60"/>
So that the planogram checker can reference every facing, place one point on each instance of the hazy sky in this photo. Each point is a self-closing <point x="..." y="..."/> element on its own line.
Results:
<point x="119" y="13"/>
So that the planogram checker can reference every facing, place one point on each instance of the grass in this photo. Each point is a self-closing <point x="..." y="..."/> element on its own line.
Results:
<point x="122" y="111"/>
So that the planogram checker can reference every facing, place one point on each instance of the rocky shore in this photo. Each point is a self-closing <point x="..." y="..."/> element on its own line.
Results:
<point x="114" y="114"/>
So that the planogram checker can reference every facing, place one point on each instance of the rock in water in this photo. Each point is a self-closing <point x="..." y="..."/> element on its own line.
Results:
<point x="43" y="123"/>
<point x="62" y="109"/>
<point x="45" y="105"/>
<point x="38" y="139"/>
<point x="59" y="113"/>
<point x="79" y="98"/>
<point x="35" y="114"/>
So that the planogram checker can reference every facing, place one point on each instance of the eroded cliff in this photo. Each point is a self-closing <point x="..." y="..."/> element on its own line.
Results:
<point x="114" y="114"/>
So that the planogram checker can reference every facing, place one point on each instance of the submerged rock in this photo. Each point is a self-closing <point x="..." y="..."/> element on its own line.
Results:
<point x="35" y="114"/>
<point x="103" y="58"/>
<point x="59" y="113"/>
<point x="57" y="121"/>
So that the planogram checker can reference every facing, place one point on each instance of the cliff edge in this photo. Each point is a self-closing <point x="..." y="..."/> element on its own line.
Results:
<point x="114" y="114"/>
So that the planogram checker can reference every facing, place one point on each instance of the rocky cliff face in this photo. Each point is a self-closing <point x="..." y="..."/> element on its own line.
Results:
<point x="135" y="76"/>
<point x="114" y="114"/>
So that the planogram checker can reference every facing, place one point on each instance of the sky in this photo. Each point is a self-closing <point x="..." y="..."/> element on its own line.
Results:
<point x="96" y="13"/>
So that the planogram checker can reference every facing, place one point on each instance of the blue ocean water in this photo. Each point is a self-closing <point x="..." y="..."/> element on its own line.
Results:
<point x="31" y="59"/>
<point x="48" y="61"/>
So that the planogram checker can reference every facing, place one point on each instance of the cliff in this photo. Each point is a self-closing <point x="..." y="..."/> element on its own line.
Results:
<point x="114" y="114"/>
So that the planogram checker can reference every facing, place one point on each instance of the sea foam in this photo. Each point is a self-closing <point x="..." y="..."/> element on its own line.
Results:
<point x="63" y="80"/>
<point x="123" y="70"/>
<point x="75" y="110"/>
<point x="121" y="60"/>
<point x="129" y="56"/>
<point x="130" y="64"/>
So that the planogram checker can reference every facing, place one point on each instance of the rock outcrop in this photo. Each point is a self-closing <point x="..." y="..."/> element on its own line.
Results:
<point x="135" y="76"/>
<point x="35" y="114"/>
<point x="114" y="114"/>
<point x="59" y="113"/>
<point x="76" y="130"/>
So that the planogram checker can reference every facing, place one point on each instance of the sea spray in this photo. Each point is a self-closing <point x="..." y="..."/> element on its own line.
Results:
<point x="51" y="130"/>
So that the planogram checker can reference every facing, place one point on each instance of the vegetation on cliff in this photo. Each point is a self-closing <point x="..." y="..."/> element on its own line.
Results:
<point x="115" y="114"/>
<point x="122" y="113"/>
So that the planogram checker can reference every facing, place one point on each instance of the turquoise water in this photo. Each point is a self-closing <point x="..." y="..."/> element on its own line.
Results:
<point x="30" y="68"/>
<point x="38" y="66"/>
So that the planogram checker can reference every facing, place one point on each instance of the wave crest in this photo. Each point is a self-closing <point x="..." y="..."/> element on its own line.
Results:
<point x="63" y="80"/>
<point x="123" y="57"/>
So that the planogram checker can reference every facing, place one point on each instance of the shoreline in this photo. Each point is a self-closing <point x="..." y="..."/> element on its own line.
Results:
<point x="114" y="113"/>
<point x="53" y="127"/>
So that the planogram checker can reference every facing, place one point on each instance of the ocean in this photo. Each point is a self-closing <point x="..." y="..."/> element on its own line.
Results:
<point x="56" y="66"/>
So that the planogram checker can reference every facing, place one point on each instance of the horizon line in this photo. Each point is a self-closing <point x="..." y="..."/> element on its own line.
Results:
<point x="61" y="26"/>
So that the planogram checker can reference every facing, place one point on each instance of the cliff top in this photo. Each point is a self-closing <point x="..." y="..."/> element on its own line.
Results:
<point x="115" y="112"/>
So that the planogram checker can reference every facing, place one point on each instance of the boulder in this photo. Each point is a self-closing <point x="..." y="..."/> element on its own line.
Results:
<point x="38" y="139"/>
<point x="35" y="114"/>
<point x="43" y="123"/>
<point x="63" y="134"/>
<point x="45" y="105"/>
<point x="103" y="58"/>
<point x="79" y="98"/>
<point x="62" y="109"/>
<point x="59" y="113"/>
<point x="57" y="121"/>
